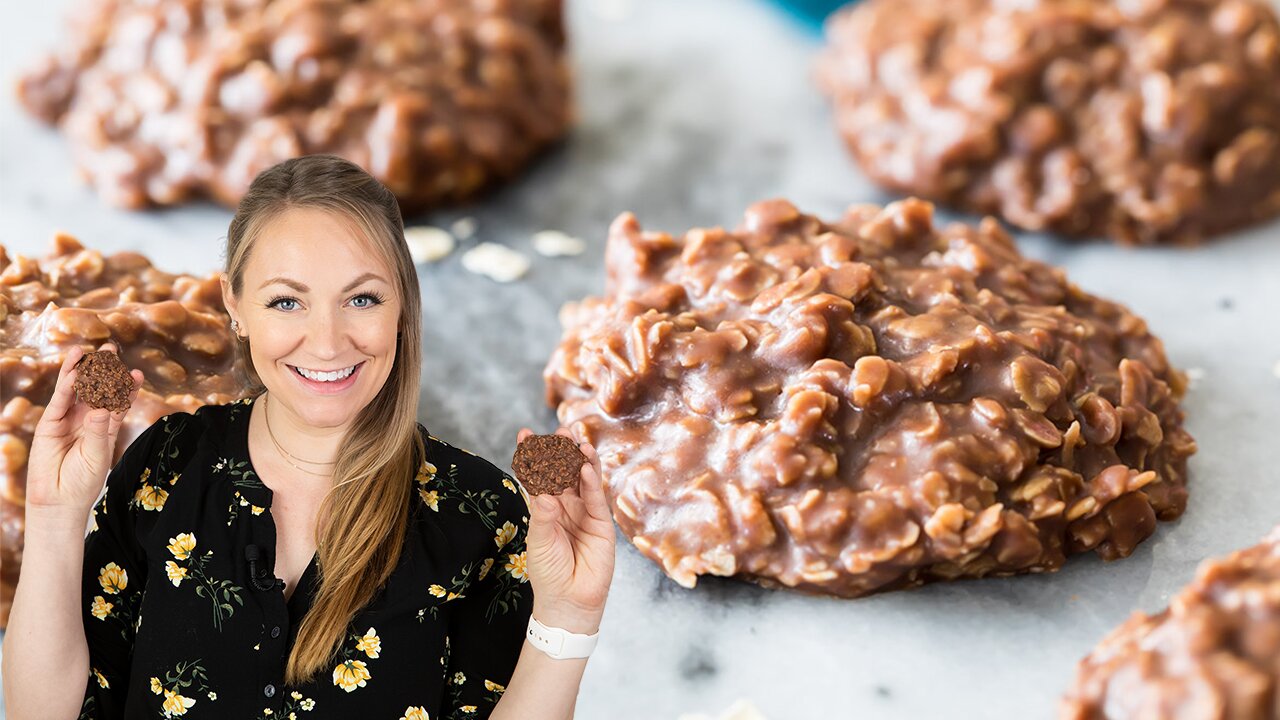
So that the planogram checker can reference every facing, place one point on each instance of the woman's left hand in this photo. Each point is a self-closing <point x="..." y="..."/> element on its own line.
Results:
<point x="571" y="546"/>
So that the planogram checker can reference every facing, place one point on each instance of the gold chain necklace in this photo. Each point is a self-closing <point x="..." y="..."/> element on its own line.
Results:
<point x="266" y="416"/>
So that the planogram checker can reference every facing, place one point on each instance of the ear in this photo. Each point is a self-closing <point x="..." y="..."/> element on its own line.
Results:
<point x="229" y="298"/>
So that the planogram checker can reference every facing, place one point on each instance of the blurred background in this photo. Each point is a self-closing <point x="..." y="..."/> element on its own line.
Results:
<point x="688" y="111"/>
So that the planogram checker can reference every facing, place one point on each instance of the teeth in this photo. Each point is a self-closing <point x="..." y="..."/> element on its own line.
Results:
<point x="326" y="376"/>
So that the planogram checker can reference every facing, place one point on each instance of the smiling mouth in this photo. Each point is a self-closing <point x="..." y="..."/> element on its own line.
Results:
<point x="337" y="375"/>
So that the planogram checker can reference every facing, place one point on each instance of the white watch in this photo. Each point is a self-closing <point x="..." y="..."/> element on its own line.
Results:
<point x="560" y="643"/>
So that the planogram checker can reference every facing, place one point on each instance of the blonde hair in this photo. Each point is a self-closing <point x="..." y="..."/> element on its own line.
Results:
<point x="361" y="528"/>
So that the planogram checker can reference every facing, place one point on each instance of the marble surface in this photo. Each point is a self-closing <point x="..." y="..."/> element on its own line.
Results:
<point x="688" y="112"/>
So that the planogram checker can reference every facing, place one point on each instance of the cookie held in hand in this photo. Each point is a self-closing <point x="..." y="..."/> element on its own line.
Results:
<point x="103" y="381"/>
<point x="548" y="464"/>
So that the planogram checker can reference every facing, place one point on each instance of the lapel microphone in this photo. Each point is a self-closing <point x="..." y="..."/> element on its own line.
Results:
<point x="259" y="578"/>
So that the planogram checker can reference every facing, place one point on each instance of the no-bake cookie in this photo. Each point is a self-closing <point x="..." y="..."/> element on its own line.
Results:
<point x="172" y="327"/>
<point x="864" y="404"/>
<point x="165" y="100"/>
<point x="1213" y="653"/>
<point x="1149" y="122"/>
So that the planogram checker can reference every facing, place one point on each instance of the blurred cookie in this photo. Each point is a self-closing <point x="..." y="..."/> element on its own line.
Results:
<point x="102" y="381"/>
<point x="172" y="327"/>
<point x="164" y="101"/>
<point x="1148" y="122"/>
<point x="548" y="464"/>
<point x="1213" y="653"/>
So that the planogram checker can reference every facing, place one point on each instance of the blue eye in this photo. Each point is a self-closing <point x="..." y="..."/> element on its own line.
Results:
<point x="279" y="303"/>
<point x="372" y="298"/>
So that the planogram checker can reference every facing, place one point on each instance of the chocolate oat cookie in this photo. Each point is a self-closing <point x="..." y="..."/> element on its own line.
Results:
<point x="1214" y="653"/>
<point x="871" y="403"/>
<point x="102" y="381"/>
<point x="172" y="327"/>
<point x="548" y="464"/>
<point x="1148" y="122"/>
<point x="166" y="100"/>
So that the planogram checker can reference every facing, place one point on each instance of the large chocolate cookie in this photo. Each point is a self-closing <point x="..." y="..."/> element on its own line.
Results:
<point x="102" y="381"/>
<point x="171" y="327"/>
<point x="865" y="404"/>
<point x="548" y="464"/>
<point x="1214" y="653"/>
<point x="1144" y="121"/>
<point x="163" y="100"/>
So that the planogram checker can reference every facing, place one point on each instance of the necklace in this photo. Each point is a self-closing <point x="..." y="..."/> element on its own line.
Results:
<point x="286" y="455"/>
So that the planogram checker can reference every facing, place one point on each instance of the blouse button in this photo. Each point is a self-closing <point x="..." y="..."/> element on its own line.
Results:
<point x="275" y="631"/>
<point x="269" y="691"/>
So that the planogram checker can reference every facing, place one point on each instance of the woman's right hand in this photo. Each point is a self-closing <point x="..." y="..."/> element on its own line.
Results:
<point x="72" y="449"/>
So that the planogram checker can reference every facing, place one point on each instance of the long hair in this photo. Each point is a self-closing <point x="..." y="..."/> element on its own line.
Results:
<point x="361" y="528"/>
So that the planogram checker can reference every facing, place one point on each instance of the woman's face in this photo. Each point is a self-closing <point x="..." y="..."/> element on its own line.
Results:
<point x="321" y="315"/>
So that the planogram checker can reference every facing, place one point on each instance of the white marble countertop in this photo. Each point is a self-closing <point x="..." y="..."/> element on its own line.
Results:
<point x="688" y="112"/>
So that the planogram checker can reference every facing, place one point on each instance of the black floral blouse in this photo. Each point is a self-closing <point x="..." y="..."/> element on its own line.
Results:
<point x="176" y="627"/>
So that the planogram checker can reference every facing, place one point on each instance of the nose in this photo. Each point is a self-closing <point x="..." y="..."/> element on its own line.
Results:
<point x="328" y="335"/>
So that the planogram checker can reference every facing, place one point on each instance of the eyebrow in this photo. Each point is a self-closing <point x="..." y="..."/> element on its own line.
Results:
<point x="303" y="288"/>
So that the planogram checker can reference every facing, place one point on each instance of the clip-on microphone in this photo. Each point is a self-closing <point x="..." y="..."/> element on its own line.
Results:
<point x="260" y="579"/>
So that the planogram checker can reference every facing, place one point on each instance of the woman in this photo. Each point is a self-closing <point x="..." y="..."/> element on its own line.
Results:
<point x="311" y="551"/>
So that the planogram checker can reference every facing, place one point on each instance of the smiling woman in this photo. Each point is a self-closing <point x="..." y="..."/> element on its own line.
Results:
<point x="325" y="345"/>
<point x="311" y="548"/>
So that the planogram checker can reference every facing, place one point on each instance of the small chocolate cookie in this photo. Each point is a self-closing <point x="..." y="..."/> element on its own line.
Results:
<point x="548" y="464"/>
<point x="103" y="381"/>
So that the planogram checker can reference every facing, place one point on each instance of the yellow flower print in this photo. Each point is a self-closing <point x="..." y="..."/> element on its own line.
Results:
<point x="176" y="572"/>
<point x="94" y="519"/>
<point x="175" y="704"/>
<point x="182" y="545"/>
<point x="256" y="510"/>
<point x="415" y="713"/>
<point x="431" y="498"/>
<point x="156" y="687"/>
<point x="468" y="708"/>
<point x="102" y="681"/>
<point x="454" y="596"/>
<point x="436" y="590"/>
<point x="113" y="578"/>
<point x="370" y="644"/>
<point x="100" y="608"/>
<point x="174" y="480"/>
<point x="494" y="687"/>
<point x="213" y="696"/>
<point x="506" y="483"/>
<point x="505" y="534"/>
<point x="295" y="695"/>
<point x="351" y="675"/>
<point x="308" y="704"/>
<point x="485" y="567"/>
<point x="146" y="473"/>
<point x="459" y="678"/>
<point x="516" y="565"/>
<point x="151" y="497"/>
<point x="426" y="473"/>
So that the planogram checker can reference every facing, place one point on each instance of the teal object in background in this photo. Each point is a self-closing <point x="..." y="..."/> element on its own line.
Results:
<point x="811" y="12"/>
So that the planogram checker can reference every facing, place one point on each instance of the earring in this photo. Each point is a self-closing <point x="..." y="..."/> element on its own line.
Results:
<point x="235" y="328"/>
